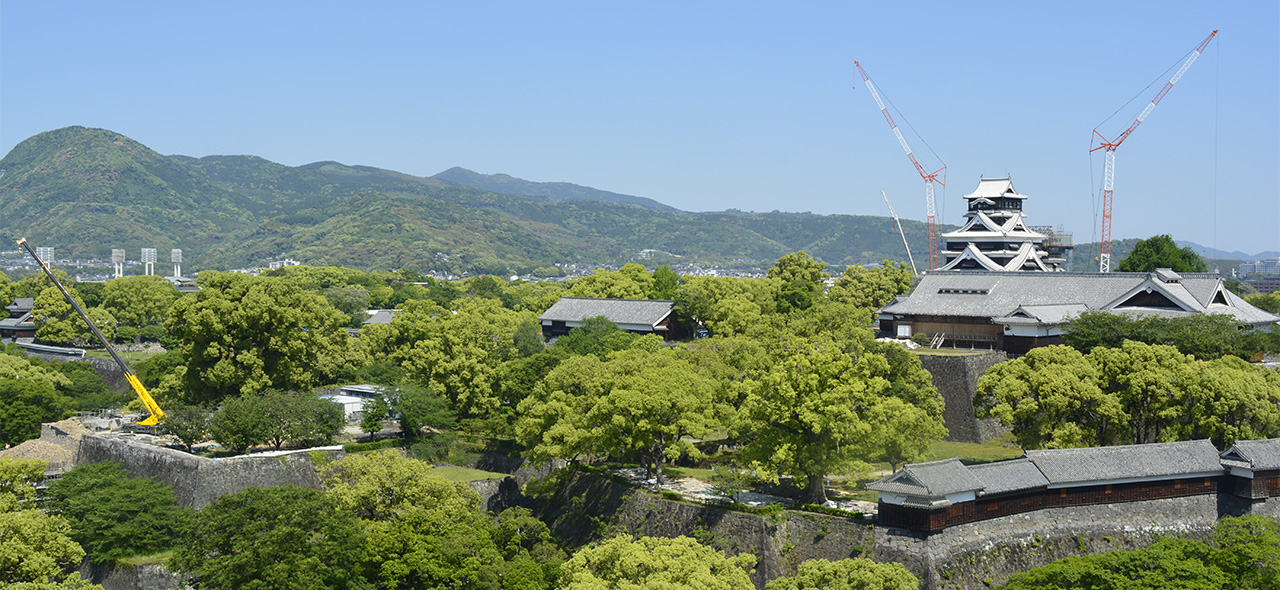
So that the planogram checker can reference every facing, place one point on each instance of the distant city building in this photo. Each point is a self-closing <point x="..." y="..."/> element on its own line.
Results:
<point x="1270" y="266"/>
<point x="282" y="263"/>
<point x="995" y="236"/>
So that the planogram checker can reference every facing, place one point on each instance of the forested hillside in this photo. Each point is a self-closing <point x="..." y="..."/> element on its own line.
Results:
<point x="85" y="191"/>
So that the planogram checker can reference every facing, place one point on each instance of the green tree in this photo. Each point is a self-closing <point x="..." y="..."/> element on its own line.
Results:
<point x="240" y="423"/>
<point x="419" y="408"/>
<point x="665" y="283"/>
<point x="456" y="352"/>
<point x="528" y="337"/>
<point x="352" y="300"/>
<point x="1265" y="301"/>
<point x="139" y="301"/>
<point x="1204" y="336"/>
<point x="113" y="515"/>
<point x="727" y="305"/>
<point x="640" y="403"/>
<point x="56" y="321"/>
<point x="18" y="479"/>
<point x="188" y="423"/>
<point x="299" y="417"/>
<point x="1247" y="548"/>
<point x="1136" y="393"/>
<point x="1051" y="399"/>
<point x="872" y="288"/>
<point x="624" y="563"/>
<point x="598" y="336"/>
<point x="273" y="538"/>
<point x="814" y="411"/>
<point x="244" y="334"/>
<point x="1161" y="252"/>
<point x="375" y="412"/>
<point x="802" y="281"/>
<point x="25" y="404"/>
<point x="904" y="432"/>
<point x="847" y="574"/>
<point x="614" y="284"/>
<point x="37" y="550"/>
<point x="1168" y="564"/>
<point x="425" y="532"/>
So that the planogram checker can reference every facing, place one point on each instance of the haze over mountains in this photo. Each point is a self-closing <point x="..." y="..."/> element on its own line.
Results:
<point x="85" y="191"/>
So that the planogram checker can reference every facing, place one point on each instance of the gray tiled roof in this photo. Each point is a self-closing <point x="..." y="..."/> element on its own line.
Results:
<point x="22" y="321"/>
<point x="1257" y="455"/>
<point x="21" y="303"/>
<point x="381" y="316"/>
<point x="987" y="294"/>
<point x="934" y="479"/>
<point x="1009" y="476"/>
<point x="1068" y="466"/>
<point x="619" y="311"/>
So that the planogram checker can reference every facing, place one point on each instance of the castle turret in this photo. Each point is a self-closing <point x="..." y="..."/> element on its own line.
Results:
<point x="995" y="236"/>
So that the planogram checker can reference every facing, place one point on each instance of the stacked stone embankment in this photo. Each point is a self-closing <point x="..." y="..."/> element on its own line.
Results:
<point x="956" y="378"/>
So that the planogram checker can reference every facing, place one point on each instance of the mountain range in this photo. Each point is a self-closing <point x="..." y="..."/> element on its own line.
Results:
<point x="85" y="191"/>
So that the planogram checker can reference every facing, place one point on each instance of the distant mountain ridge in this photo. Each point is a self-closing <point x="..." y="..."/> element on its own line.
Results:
<point x="86" y="191"/>
<point x="556" y="191"/>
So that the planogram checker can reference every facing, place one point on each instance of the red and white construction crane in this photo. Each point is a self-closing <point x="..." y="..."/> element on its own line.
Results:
<point x="1104" y="256"/>
<point x="929" y="178"/>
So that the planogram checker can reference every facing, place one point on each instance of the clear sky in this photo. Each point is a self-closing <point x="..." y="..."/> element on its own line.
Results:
<point x="700" y="105"/>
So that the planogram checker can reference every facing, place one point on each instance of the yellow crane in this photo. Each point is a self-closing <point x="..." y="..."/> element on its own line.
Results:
<point x="157" y="415"/>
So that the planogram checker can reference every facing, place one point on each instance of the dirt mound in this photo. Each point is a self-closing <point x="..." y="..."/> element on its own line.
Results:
<point x="57" y="443"/>
<point x="40" y="449"/>
<point x="70" y="427"/>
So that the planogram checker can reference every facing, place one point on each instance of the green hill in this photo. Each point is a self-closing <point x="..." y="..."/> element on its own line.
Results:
<point x="556" y="191"/>
<point x="85" y="191"/>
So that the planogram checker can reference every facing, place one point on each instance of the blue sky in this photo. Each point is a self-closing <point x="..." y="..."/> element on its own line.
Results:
<point x="703" y="106"/>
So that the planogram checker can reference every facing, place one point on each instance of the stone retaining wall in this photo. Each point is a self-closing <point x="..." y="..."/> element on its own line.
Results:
<point x="141" y="577"/>
<point x="198" y="481"/>
<point x="585" y="508"/>
<point x="956" y="378"/>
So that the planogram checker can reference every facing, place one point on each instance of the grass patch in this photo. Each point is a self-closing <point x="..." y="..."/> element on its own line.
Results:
<point x="676" y="471"/>
<point x="463" y="475"/>
<point x="162" y="557"/>
<point x="995" y="450"/>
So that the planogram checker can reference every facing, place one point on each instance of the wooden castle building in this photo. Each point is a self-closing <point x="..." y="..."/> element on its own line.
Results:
<point x="996" y="237"/>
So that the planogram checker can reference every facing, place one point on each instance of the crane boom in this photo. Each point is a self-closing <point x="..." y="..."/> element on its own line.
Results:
<point x="904" y="236"/>
<point x="1108" y="178"/>
<point x="156" y="413"/>
<point x="929" y="178"/>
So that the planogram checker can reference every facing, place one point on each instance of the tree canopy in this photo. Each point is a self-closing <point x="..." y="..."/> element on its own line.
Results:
<point x="1243" y="553"/>
<point x="244" y="334"/>
<point x="113" y="515"/>
<point x="1056" y="397"/>
<point x="272" y="538"/>
<point x="847" y="574"/>
<point x="644" y="563"/>
<point x="1161" y="252"/>
<point x="38" y="549"/>
<point x="819" y="409"/>
<point x="422" y="531"/>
